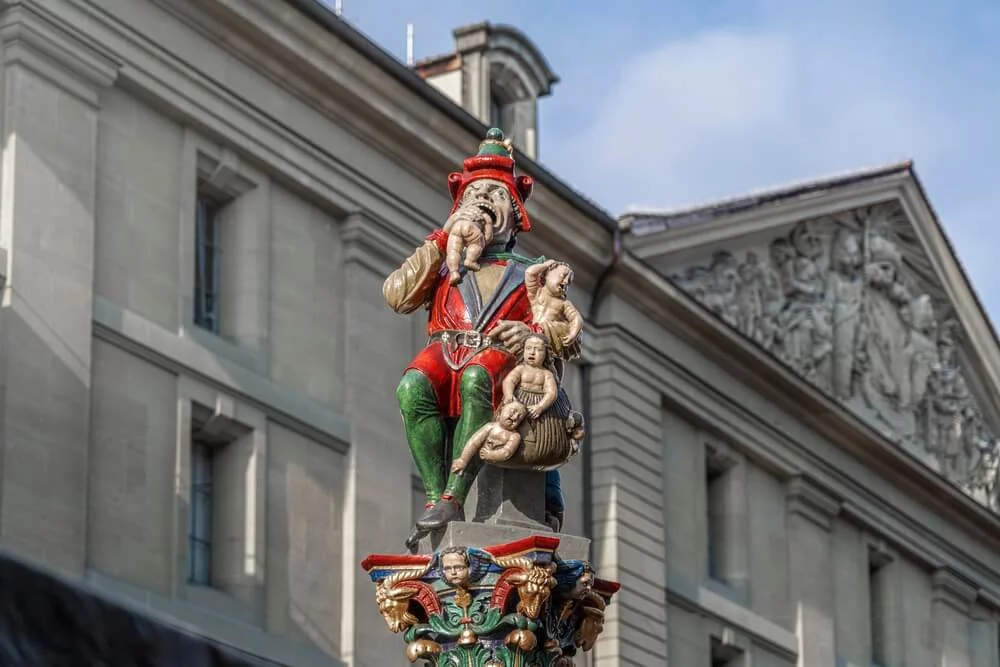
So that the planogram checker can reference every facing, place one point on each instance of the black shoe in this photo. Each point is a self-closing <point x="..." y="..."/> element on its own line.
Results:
<point x="444" y="512"/>
<point x="413" y="541"/>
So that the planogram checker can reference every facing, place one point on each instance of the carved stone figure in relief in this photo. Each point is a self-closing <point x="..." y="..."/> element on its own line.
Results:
<point x="806" y="318"/>
<point x="749" y="293"/>
<point x="856" y="325"/>
<point x="845" y="288"/>
<point x="772" y="301"/>
<point x="884" y="334"/>
<point x="983" y="479"/>
<point x="949" y="396"/>
<point x="726" y="282"/>
<point x="976" y="443"/>
<point x="919" y="353"/>
<point x="697" y="282"/>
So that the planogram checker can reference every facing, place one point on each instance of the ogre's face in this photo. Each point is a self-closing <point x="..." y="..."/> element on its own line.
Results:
<point x="491" y="199"/>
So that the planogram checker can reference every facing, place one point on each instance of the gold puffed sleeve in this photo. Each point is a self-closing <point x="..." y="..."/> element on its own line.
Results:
<point x="409" y="287"/>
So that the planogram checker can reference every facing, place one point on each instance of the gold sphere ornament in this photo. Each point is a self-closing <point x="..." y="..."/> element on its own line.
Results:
<point x="523" y="640"/>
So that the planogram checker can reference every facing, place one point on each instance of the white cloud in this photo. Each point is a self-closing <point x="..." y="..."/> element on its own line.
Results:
<point x="728" y="110"/>
<point x="794" y="95"/>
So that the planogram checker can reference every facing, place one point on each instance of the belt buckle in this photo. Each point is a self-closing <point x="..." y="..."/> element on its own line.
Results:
<point x="473" y="339"/>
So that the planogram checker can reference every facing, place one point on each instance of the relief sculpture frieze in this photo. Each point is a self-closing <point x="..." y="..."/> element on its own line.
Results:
<point x="835" y="299"/>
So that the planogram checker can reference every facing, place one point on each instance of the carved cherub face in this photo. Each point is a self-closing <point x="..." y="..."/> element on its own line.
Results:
<point x="583" y="585"/>
<point x="881" y="273"/>
<point x="535" y="351"/>
<point x="725" y="273"/>
<point x="511" y="415"/>
<point x="455" y="567"/>
<point x="847" y="250"/>
<point x="491" y="199"/>
<point x="781" y="252"/>
<point x="807" y="240"/>
<point x="558" y="279"/>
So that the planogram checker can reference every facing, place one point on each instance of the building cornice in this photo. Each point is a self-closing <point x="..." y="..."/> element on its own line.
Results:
<point x="808" y="499"/>
<point x="950" y="588"/>
<point x="35" y="37"/>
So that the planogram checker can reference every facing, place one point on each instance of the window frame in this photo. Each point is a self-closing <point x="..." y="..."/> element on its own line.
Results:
<point x="208" y="263"/>
<point x="201" y="513"/>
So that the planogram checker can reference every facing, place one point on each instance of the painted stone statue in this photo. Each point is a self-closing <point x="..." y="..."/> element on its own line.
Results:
<point x="484" y="302"/>
<point x="487" y="390"/>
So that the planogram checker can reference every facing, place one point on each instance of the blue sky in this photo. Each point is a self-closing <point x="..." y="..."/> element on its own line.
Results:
<point x="664" y="103"/>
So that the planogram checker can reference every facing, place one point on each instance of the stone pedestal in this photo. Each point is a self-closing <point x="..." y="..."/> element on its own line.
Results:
<point x="481" y="535"/>
<point x="510" y="498"/>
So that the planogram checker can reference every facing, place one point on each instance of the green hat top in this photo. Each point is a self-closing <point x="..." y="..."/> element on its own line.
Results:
<point x="495" y="144"/>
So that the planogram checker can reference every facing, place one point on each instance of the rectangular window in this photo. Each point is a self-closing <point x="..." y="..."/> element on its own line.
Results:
<point x="715" y="492"/>
<point x="208" y="264"/>
<point x="724" y="654"/>
<point x="201" y="513"/>
<point x="496" y="114"/>
<point x="878" y="584"/>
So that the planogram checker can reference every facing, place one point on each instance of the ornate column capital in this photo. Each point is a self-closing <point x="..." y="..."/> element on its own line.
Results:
<point x="502" y="605"/>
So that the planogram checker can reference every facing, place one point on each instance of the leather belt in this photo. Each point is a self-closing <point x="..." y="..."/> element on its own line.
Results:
<point x="474" y="340"/>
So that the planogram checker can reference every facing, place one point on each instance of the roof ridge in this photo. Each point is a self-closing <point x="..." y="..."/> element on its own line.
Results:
<point x="696" y="212"/>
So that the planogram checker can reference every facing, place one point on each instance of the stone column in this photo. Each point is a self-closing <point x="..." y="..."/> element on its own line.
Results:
<point x="985" y="650"/>
<point x="626" y="425"/>
<point x="52" y="78"/>
<point x="379" y="468"/>
<point x="811" y="512"/>
<point x="951" y="602"/>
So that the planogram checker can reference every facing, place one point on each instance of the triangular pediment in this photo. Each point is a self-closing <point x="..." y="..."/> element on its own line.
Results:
<point x="852" y="283"/>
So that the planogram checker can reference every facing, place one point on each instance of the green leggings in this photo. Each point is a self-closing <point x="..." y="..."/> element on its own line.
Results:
<point x="427" y="431"/>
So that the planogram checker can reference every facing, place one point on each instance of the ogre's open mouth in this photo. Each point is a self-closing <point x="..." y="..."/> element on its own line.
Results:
<point x="488" y="211"/>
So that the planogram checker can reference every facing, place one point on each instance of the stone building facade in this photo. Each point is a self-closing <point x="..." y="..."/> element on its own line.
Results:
<point x="199" y="202"/>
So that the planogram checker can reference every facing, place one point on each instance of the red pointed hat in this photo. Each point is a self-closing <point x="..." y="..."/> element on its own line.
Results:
<point x="495" y="161"/>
